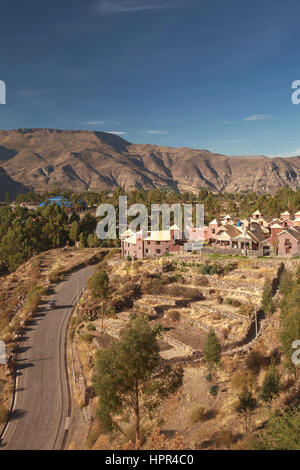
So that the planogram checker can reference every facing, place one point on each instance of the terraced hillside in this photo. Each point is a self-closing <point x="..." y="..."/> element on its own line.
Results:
<point x="175" y="292"/>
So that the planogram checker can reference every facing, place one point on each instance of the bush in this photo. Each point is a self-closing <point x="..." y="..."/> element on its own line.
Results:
<point x="267" y="298"/>
<point x="210" y="269"/>
<point x="254" y="361"/>
<point x="4" y="413"/>
<point x="201" y="281"/>
<point x="174" y="315"/>
<point x="224" y="439"/>
<point x="34" y="297"/>
<point x="246" y="309"/>
<point x="198" y="415"/>
<point x="233" y="302"/>
<point x="99" y="284"/>
<point x="187" y="292"/>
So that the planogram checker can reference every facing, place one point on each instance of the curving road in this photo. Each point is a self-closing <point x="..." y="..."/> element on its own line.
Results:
<point x="42" y="410"/>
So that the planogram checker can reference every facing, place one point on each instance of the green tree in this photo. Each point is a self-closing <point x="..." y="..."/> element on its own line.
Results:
<point x="124" y="379"/>
<point x="212" y="350"/>
<point x="212" y="356"/>
<point x="99" y="284"/>
<point x="267" y="297"/>
<point x="82" y="240"/>
<point x="246" y="405"/>
<point x="74" y="231"/>
<point x="271" y="386"/>
<point x="281" y="433"/>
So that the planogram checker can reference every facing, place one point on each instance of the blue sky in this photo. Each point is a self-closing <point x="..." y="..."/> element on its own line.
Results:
<point x="210" y="74"/>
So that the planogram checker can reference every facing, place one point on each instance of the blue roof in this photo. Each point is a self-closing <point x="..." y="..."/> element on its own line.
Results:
<point x="60" y="201"/>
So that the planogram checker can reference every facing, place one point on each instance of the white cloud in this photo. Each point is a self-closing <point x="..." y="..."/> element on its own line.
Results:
<point x="258" y="117"/>
<point x="110" y="7"/>
<point x="153" y="132"/>
<point x="116" y="132"/>
<point x="253" y="117"/>
<point x="95" y="123"/>
<point x="295" y="153"/>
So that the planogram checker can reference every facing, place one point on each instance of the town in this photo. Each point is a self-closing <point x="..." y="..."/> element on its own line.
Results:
<point x="257" y="235"/>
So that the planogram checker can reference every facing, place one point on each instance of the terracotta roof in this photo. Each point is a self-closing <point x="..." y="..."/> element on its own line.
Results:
<point x="257" y="235"/>
<point x="268" y="219"/>
<point x="232" y="231"/>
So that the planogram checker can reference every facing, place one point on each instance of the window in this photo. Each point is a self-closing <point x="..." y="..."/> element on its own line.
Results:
<point x="148" y="243"/>
<point x="147" y="251"/>
<point x="158" y="251"/>
<point x="213" y="230"/>
<point x="157" y="243"/>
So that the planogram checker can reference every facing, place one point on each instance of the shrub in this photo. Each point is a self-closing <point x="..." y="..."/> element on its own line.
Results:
<point x="34" y="297"/>
<point x="246" y="309"/>
<point x="99" y="284"/>
<point x="224" y="439"/>
<point x="4" y="413"/>
<point x="209" y="269"/>
<point x="187" y="292"/>
<point x="233" y="302"/>
<point x="267" y="298"/>
<point x="198" y="415"/>
<point x="174" y="315"/>
<point x="201" y="281"/>
<point x="254" y="361"/>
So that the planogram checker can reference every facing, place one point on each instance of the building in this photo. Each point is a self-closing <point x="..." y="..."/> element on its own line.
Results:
<point x="289" y="242"/>
<point x="154" y="243"/>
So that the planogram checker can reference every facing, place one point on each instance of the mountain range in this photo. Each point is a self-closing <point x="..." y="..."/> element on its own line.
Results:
<point x="42" y="159"/>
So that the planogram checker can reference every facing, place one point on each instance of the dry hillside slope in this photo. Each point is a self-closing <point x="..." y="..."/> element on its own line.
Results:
<point x="85" y="160"/>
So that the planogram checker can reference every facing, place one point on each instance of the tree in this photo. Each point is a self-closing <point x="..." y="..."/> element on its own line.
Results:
<point x="124" y="379"/>
<point x="281" y="433"/>
<point x="82" y="240"/>
<point x="74" y="231"/>
<point x="246" y="405"/>
<point x="271" y="386"/>
<point x="244" y="380"/>
<point x="212" y="350"/>
<point x="267" y="297"/>
<point x="99" y="284"/>
<point x="212" y="356"/>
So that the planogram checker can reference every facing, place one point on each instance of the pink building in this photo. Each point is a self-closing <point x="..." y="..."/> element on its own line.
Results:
<point x="289" y="242"/>
<point x="155" y="243"/>
<point x="213" y="228"/>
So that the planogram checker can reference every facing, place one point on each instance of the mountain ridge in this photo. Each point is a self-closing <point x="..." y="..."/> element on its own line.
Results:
<point x="93" y="160"/>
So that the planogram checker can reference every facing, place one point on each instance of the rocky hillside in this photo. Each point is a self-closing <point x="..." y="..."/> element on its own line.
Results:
<point x="82" y="160"/>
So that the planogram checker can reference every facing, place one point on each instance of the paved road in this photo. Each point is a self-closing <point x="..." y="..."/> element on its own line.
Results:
<point x="41" y="409"/>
